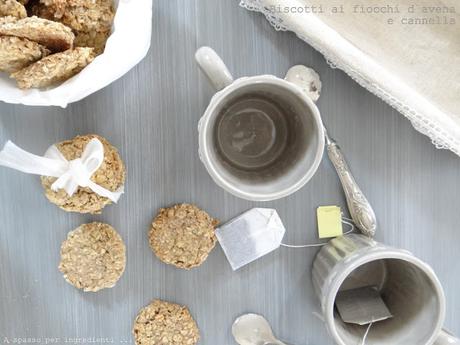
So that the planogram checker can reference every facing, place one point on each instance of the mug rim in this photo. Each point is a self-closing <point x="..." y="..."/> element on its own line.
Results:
<point x="210" y="110"/>
<point x="385" y="253"/>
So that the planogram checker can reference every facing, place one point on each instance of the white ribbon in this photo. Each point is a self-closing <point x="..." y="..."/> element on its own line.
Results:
<point x="70" y="174"/>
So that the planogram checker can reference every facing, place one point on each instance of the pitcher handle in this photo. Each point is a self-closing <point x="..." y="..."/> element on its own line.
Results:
<point x="446" y="338"/>
<point x="214" y="68"/>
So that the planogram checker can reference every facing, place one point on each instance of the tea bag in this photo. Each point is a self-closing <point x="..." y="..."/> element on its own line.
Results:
<point x="362" y="306"/>
<point x="250" y="236"/>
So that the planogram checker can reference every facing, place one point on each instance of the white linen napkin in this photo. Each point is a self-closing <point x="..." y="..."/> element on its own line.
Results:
<point x="414" y="67"/>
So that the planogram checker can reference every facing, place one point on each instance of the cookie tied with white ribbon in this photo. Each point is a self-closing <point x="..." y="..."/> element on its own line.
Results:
<point x="80" y="175"/>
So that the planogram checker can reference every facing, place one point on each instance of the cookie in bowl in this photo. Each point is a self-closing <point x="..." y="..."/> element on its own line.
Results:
<point x="91" y="21"/>
<point x="17" y="53"/>
<point x="53" y="35"/>
<point x="12" y="8"/>
<point x="53" y="69"/>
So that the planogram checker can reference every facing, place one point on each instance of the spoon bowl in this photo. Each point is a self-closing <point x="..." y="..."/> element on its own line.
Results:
<point x="253" y="329"/>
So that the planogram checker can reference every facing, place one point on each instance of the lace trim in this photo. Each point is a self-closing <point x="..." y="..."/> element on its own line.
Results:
<point x="439" y="137"/>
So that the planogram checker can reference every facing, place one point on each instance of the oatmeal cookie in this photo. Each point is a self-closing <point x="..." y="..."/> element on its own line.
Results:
<point x="183" y="236"/>
<point x="110" y="175"/>
<point x="164" y="323"/>
<point x="93" y="257"/>
<point x="17" y="53"/>
<point x="53" y="35"/>
<point x="90" y="20"/>
<point x="12" y="8"/>
<point x="89" y="16"/>
<point x="54" y="68"/>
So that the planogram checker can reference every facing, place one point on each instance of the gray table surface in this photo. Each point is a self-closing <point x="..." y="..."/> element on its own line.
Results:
<point x="151" y="115"/>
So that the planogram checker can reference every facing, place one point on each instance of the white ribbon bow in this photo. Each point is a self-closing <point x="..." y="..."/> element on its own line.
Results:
<point x="70" y="174"/>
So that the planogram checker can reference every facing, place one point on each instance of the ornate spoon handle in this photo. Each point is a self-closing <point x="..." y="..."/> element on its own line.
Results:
<point x="360" y="209"/>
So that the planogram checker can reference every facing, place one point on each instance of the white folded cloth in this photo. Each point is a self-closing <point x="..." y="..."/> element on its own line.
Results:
<point x="410" y="58"/>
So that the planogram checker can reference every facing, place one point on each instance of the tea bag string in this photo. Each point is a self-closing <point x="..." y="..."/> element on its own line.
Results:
<point x="345" y="220"/>
<point x="363" y="341"/>
<point x="367" y="333"/>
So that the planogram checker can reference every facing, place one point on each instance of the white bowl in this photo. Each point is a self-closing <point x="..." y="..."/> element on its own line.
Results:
<point x="126" y="47"/>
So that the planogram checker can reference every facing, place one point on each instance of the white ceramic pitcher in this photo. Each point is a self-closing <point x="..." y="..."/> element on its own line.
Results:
<point x="284" y="147"/>
<point x="409" y="287"/>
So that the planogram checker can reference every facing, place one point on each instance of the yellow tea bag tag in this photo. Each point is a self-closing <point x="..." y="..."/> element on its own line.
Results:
<point x="329" y="221"/>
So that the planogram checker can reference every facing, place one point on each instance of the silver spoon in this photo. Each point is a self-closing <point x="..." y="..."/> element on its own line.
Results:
<point x="253" y="329"/>
<point x="360" y="209"/>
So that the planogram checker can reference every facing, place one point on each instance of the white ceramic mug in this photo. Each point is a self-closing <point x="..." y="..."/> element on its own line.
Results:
<point x="409" y="287"/>
<point x="261" y="138"/>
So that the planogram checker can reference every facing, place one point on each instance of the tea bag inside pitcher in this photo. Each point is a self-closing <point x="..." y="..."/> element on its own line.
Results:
<point x="250" y="236"/>
<point x="362" y="306"/>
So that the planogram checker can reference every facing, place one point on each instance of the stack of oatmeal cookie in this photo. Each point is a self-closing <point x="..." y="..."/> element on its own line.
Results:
<point x="45" y="42"/>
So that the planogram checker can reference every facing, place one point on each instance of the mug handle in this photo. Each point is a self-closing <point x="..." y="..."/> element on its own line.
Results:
<point x="446" y="338"/>
<point x="307" y="79"/>
<point x="214" y="68"/>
